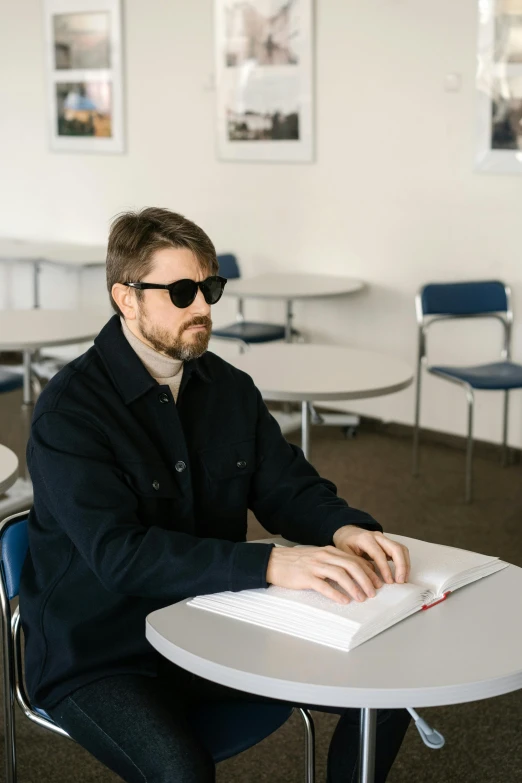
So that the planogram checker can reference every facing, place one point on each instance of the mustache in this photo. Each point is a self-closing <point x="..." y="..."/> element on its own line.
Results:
<point x="198" y="320"/>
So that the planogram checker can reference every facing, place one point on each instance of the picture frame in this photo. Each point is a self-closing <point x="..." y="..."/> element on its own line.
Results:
<point x="264" y="80"/>
<point x="83" y="50"/>
<point x="499" y="87"/>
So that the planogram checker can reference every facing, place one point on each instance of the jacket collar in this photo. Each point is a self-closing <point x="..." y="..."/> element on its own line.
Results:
<point x="125" y="368"/>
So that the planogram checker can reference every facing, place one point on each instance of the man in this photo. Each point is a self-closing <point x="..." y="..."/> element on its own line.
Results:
<point x="145" y="454"/>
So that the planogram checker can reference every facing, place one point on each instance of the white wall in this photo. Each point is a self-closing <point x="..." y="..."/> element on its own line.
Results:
<point x="392" y="196"/>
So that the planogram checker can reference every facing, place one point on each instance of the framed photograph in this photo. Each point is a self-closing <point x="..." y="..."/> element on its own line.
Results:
<point x="264" y="79"/>
<point x="499" y="86"/>
<point x="84" y="75"/>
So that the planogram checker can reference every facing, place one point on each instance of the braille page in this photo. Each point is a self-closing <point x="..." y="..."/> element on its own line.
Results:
<point x="442" y="568"/>
<point x="314" y="603"/>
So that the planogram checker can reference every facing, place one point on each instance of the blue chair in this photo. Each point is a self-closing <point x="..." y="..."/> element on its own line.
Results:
<point x="481" y="299"/>
<point x="9" y="381"/>
<point x="225" y="729"/>
<point x="247" y="331"/>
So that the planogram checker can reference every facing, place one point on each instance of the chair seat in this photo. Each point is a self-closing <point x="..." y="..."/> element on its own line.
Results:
<point x="495" y="376"/>
<point x="229" y="729"/>
<point x="251" y="332"/>
<point x="9" y="381"/>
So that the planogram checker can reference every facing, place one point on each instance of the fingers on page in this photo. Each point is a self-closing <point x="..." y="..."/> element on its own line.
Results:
<point x="356" y="583"/>
<point x="329" y="591"/>
<point x="399" y="555"/>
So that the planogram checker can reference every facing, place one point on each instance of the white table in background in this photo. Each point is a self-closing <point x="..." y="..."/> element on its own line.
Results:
<point x="297" y="372"/>
<point x="289" y="287"/>
<point x="443" y="656"/>
<point x="16" y="494"/>
<point x="57" y="253"/>
<point x="8" y="468"/>
<point x="30" y="330"/>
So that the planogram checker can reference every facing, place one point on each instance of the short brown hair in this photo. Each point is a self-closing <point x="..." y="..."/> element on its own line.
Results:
<point x="135" y="236"/>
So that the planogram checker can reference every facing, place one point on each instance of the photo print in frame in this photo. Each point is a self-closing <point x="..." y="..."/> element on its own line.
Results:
<point x="84" y="75"/>
<point x="264" y="79"/>
<point x="499" y="87"/>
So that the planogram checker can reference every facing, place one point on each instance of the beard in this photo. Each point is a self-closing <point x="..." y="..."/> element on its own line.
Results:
<point x="174" y="345"/>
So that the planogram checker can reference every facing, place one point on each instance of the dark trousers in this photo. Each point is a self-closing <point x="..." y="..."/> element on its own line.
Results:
<point x="138" y="727"/>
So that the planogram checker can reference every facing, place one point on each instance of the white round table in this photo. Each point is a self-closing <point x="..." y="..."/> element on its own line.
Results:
<point x="8" y="468"/>
<point x="296" y="372"/>
<point x="58" y="253"/>
<point x="30" y="330"/>
<point x="465" y="649"/>
<point x="289" y="287"/>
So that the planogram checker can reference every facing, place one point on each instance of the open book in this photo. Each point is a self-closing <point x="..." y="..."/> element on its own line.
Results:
<point x="436" y="571"/>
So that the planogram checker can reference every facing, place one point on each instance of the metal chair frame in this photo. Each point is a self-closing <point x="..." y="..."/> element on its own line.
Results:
<point x="14" y="686"/>
<point x="424" y="322"/>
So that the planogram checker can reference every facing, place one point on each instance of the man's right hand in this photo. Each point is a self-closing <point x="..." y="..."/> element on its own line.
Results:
<point x="309" y="568"/>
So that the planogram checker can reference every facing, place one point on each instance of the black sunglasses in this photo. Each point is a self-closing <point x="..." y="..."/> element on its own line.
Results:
<point x="183" y="292"/>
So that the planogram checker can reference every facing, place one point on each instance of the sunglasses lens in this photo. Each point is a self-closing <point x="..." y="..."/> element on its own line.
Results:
<point x="212" y="289"/>
<point x="183" y="293"/>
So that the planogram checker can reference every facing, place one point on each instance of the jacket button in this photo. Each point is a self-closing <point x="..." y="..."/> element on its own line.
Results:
<point x="164" y="397"/>
<point x="241" y="463"/>
<point x="156" y="484"/>
<point x="180" y="466"/>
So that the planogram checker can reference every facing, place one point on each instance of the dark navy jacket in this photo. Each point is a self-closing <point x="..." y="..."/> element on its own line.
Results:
<point x="140" y="502"/>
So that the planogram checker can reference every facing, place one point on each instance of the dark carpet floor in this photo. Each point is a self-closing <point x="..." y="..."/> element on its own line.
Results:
<point x="483" y="739"/>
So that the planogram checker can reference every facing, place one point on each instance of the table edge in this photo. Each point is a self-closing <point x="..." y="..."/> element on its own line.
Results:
<point x="334" y="696"/>
<point x="8" y="481"/>
<point x="292" y="297"/>
<point x="270" y="394"/>
<point x="34" y="345"/>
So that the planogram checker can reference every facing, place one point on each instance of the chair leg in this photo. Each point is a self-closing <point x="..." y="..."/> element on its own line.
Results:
<point x="415" y="469"/>
<point x="469" y="450"/>
<point x="9" y="699"/>
<point x="309" y="745"/>
<point x="505" y="430"/>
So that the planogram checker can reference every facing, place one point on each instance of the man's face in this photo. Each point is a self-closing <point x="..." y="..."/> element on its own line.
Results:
<point x="180" y="333"/>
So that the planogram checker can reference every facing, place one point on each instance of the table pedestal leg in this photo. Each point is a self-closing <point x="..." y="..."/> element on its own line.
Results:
<point x="27" y="403"/>
<point x="289" y="321"/>
<point x="28" y="392"/>
<point x="305" y="428"/>
<point x="367" y="745"/>
<point x="287" y="406"/>
<point x="36" y="284"/>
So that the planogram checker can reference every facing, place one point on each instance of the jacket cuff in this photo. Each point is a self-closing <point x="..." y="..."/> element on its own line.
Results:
<point x="249" y="566"/>
<point x="353" y="517"/>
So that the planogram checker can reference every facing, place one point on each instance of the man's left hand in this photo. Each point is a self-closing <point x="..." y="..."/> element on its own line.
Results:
<point x="375" y="546"/>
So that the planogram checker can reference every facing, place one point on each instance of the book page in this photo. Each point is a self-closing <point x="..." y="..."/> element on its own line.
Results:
<point x="387" y="598"/>
<point x="437" y="566"/>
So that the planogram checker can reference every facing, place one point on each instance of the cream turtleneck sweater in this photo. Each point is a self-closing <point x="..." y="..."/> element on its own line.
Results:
<point x="164" y="370"/>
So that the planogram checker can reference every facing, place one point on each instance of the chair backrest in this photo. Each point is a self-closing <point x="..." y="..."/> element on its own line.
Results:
<point x="464" y="299"/>
<point x="228" y="266"/>
<point x="473" y="299"/>
<point x="14" y="544"/>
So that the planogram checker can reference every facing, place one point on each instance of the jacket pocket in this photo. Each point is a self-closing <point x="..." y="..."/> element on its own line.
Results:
<point x="230" y="460"/>
<point x="150" y="480"/>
